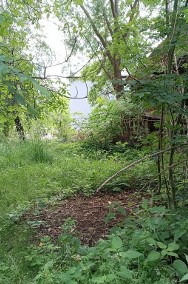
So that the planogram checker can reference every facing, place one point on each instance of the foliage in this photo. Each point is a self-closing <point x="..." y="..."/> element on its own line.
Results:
<point x="113" y="47"/>
<point x="37" y="169"/>
<point x="165" y="91"/>
<point x="21" y="93"/>
<point x="16" y="70"/>
<point x="35" y="172"/>
<point x="106" y="125"/>
<point x="147" y="248"/>
<point x="151" y="245"/>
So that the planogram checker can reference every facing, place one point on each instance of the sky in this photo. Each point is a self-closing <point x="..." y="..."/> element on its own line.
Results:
<point x="79" y="89"/>
<point x="54" y="38"/>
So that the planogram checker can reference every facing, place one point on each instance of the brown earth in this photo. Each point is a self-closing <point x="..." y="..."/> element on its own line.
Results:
<point x="88" y="212"/>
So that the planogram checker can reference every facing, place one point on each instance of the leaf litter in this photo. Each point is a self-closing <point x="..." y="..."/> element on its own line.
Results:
<point x="93" y="216"/>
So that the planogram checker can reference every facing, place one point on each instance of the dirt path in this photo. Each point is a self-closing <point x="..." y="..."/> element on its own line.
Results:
<point x="88" y="212"/>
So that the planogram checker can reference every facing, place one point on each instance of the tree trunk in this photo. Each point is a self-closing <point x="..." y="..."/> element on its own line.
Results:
<point x="118" y="87"/>
<point x="19" y="128"/>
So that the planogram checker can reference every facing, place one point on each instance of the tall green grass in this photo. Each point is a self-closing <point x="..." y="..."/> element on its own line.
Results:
<point x="31" y="172"/>
<point x="36" y="169"/>
<point x="24" y="153"/>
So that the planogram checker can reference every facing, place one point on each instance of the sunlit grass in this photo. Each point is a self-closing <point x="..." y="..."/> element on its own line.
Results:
<point x="38" y="169"/>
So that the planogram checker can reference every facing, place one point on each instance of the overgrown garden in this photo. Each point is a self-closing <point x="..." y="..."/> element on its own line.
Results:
<point x="104" y="200"/>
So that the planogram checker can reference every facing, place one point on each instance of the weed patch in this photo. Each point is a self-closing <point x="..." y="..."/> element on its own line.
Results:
<point x="147" y="249"/>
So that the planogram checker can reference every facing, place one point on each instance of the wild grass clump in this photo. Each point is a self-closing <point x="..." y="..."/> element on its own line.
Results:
<point x="38" y="152"/>
<point x="14" y="155"/>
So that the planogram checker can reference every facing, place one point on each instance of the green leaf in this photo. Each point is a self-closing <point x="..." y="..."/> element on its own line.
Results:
<point x="3" y="58"/>
<point x="178" y="234"/>
<point x="23" y="78"/>
<point x="99" y="279"/>
<point x="172" y="254"/>
<point x="172" y="247"/>
<point x="132" y="254"/>
<point x="44" y="91"/>
<point x="41" y="89"/>
<point x="161" y="245"/>
<point x="20" y="99"/>
<point x="184" y="278"/>
<point x="125" y="273"/>
<point x="164" y="252"/>
<point x="109" y="217"/>
<point x="1" y="19"/>
<point x="151" y="241"/>
<point x="186" y="256"/>
<point x="3" y="69"/>
<point x="116" y="242"/>
<point x="158" y="209"/>
<point x="153" y="256"/>
<point x="74" y="29"/>
<point x="110" y="277"/>
<point x="79" y="2"/>
<point x="31" y="110"/>
<point x="180" y="266"/>
<point x="121" y="210"/>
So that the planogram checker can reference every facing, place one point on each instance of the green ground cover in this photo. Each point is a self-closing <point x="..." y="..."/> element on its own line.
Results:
<point x="150" y="248"/>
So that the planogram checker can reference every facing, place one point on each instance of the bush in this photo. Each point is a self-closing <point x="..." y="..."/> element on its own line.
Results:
<point x="105" y="125"/>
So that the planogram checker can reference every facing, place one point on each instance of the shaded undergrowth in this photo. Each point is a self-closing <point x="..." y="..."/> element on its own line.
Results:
<point x="34" y="173"/>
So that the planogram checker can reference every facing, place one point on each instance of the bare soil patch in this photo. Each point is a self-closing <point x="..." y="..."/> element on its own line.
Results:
<point x="88" y="212"/>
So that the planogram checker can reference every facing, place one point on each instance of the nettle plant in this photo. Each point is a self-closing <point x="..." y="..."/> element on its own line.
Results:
<point x="149" y="246"/>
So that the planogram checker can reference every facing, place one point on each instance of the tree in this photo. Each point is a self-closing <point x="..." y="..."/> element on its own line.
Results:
<point x="110" y="33"/>
<point x="119" y="42"/>
<point x="165" y="91"/>
<point x="20" y="92"/>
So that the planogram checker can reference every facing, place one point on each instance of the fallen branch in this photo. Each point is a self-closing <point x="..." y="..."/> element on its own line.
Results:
<point x="133" y="164"/>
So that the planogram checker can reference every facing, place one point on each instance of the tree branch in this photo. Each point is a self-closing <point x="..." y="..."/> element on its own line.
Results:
<point x="173" y="39"/>
<point x="68" y="57"/>
<point x="68" y="97"/>
<point x="100" y="37"/>
<point x="132" y="165"/>
<point x="44" y="77"/>
<point x="113" y="9"/>
<point x="82" y="67"/>
<point x="100" y="60"/>
<point x="107" y="22"/>
<point x="58" y="76"/>
<point x="133" y="7"/>
<point x="116" y="8"/>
